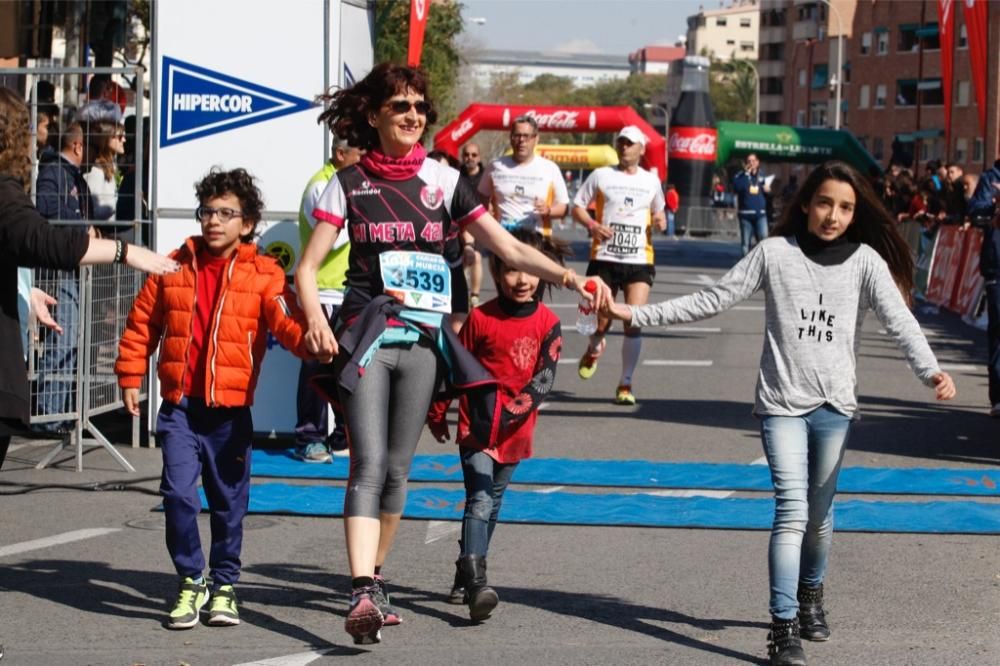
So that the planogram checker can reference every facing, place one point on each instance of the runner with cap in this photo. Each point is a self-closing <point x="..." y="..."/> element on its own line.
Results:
<point x="627" y="201"/>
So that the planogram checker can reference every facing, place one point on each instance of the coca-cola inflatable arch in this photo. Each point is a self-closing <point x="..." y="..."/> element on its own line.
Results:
<point x="478" y="117"/>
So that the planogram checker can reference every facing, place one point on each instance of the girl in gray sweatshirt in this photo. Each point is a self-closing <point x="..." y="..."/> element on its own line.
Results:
<point x="836" y="255"/>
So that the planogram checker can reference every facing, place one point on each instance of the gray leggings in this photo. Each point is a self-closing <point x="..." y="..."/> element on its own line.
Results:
<point x="385" y="416"/>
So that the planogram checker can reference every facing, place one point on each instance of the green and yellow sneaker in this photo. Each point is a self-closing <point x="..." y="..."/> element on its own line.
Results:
<point x="222" y="612"/>
<point x="588" y="362"/>
<point x="190" y="598"/>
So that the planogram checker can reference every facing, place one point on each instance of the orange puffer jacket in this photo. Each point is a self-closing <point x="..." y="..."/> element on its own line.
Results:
<point x="253" y="298"/>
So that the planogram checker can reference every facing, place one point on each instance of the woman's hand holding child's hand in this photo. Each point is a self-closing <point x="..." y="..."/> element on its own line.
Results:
<point x="944" y="386"/>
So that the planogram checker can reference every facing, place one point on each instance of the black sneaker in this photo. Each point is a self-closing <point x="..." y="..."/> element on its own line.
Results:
<point x="390" y="616"/>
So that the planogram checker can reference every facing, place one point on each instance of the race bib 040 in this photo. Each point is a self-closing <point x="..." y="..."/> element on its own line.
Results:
<point x="417" y="279"/>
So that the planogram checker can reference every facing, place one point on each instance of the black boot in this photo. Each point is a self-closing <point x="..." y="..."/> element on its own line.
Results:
<point x="480" y="597"/>
<point x="783" y="644"/>
<point x="812" y="617"/>
<point x="457" y="594"/>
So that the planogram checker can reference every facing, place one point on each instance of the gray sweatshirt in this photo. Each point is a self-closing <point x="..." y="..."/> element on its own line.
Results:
<point x="813" y="316"/>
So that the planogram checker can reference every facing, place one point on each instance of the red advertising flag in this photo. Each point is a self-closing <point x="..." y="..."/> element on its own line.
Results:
<point x="976" y="25"/>
<point x="946" y="19"/>
<point x="419" y="9"/>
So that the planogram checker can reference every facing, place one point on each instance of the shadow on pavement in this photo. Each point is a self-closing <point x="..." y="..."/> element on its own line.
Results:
<point x="96" y="587"/>
<point x="623" y="615"/>
<point x="710" y="413"/>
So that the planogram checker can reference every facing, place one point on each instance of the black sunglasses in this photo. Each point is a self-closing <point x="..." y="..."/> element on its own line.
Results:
<point x="423" y="107"/>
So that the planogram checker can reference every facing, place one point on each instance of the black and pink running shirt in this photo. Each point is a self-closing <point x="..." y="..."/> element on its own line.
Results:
<point x="416" y="214"/>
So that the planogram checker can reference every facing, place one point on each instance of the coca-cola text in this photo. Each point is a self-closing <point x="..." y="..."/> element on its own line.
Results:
<point x="692" y="143"/>
<point x="554" y="120"/>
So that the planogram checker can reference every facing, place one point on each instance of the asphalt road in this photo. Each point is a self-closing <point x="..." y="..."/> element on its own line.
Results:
<point x="85" y="578"/>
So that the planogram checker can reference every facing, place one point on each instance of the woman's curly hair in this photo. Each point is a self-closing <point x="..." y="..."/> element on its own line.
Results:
<point x="239" y="182"/>
<point x="15" y="137"/>
<point x="349" y="109"/>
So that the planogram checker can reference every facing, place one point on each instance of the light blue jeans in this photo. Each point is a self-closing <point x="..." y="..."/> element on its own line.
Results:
<point x="485" y="482"/>
<point x="804" y="454"/>
<point x="752" y="225"/>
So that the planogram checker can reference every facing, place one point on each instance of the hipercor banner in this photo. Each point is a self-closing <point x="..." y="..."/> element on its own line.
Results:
<point x="220" y="105"/>
<point x="978" y="30"/>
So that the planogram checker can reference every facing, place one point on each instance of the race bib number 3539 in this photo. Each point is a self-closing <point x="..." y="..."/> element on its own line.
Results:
<point x="417" y="279"/>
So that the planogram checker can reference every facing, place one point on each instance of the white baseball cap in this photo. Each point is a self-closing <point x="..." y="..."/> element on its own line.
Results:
<point x="633" y="134"/>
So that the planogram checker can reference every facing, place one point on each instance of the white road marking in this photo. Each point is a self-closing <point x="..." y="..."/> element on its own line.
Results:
<point x="568" y="361"/>
<point x="677" y="363"/>
<point x="693" y="329"/>
<point x="298" y="659"/>
<point x="754" y="308"/>
<point x="56" y="540"/>
<point x="961" y="367"/>
<point x="760" y="461"/>
<point x="440" y="529"/>
<point x="720" y="494"/>
<point x="553" y="489"/>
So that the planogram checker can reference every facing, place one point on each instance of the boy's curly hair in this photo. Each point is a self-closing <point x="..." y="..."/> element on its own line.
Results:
<point x="554" y="248"/>
<point x="239" y="182"/>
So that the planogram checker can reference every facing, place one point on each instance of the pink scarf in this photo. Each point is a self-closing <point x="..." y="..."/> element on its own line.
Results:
<point x="394" y="168"/>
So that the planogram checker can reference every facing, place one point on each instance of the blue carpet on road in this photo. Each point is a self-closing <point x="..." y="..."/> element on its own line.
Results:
<point x="564" y="508"/>
<point x="649" y="474"/>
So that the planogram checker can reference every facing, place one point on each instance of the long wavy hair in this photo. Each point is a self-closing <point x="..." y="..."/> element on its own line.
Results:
<point x="15" y="137"/>
<point x="99" y="151"/>
<point x="349" y="109"/>
<point x="872" y="225"/>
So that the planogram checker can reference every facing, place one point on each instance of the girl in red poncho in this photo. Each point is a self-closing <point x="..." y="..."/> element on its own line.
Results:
<point x="518" y="340"/>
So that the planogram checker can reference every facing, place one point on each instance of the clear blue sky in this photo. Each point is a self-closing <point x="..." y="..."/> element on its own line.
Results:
<point x="612" y="27"/>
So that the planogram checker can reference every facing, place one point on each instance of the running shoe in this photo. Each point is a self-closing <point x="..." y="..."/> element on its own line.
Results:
<point x="624" y="395"/>
<point x="314" y="452"/>
<point x="588" y="362"/>
<point x="364" y="619"/>
<point x="390" y="616"/>
<point x="190" y="598"/>
<point x="222" y="611"/>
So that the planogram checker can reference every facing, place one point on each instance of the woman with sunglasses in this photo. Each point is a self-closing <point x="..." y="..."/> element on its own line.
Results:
<point x="399" y="207"/>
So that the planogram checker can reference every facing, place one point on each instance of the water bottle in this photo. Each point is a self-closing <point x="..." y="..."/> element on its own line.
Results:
<point x="586" y="316"/>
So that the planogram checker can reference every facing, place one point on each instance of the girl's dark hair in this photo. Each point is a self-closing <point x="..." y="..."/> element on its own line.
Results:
<point x="348" y="110"/>
<point x="15" y="133"/>
<point x="872" y="223"/>
<point x="239" y="182"/>
<point x="555" y="249"/>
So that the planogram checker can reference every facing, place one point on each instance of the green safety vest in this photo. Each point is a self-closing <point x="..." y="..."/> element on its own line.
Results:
<point x="332" y="273"/>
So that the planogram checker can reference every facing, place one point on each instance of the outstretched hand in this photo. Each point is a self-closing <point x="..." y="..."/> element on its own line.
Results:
<point x="439" y="429"/>
<point x="944" y="386"/>
<point x="40" y="302"/>
<point x="613" y="310"/>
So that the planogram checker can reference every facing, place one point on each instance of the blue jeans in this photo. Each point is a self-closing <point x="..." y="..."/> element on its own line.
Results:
<point x="671" y="226"/>
<point x="993" y="340"/>
<point x="312" y="409"/>
<point x="57" y="366"/>
<point x="752" y="224"/>
<point x="485" y="482"/>
<point x="804" y="454"/>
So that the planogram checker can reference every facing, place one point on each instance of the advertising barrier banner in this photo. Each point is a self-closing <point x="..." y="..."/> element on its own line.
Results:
<point x="946" y="265"/>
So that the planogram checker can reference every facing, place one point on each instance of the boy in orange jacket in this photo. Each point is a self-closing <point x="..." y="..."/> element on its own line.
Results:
<point x="212" y="317"/>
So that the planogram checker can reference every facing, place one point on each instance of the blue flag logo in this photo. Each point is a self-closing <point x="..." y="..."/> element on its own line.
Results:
<point x="197" y="102"/>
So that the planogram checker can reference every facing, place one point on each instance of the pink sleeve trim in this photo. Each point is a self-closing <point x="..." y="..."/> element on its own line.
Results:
<point x="329" y="218"/>
<point x="471" y="216"/>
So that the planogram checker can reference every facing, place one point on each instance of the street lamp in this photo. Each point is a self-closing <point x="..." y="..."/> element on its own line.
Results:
<point x="838" y="77"/>
<point x="649" y="106"/>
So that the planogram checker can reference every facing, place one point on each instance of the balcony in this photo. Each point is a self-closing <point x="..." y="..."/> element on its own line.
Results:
<point x="803" y="30"/>
<point x="771" y="68"/>
<point x="773" y="34"/>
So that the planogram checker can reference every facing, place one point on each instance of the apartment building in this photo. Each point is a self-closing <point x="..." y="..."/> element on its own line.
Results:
<point x="727" y="33"/>
<point x="892" y="93"/>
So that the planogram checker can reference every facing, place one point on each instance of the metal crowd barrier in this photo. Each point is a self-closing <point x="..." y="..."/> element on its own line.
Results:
<point x="72" y="375"/>
<point x="707" y="221"/>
